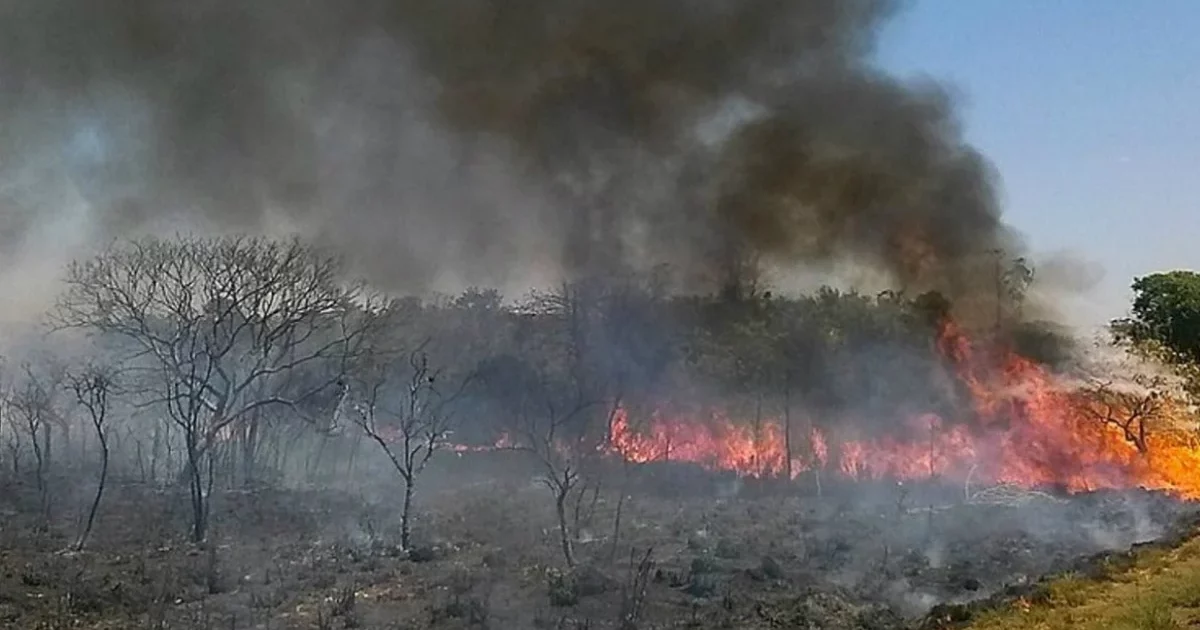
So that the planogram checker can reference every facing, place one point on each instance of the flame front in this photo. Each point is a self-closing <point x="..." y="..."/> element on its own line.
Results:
<point x="1026" y="430"/>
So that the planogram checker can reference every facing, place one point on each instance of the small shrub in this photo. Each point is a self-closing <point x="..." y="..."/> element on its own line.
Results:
<point x="423" y="553"/>
<point x="1149" y="617"/>
<point x="1067" y="591"/>
<point x="591" y="581"/>
<point x="344" y="606"/>
<point x="702" y="586"/>
<point x="563" y="590"/>
<point x="267" y="598"/>
<point x="470" y="609"/>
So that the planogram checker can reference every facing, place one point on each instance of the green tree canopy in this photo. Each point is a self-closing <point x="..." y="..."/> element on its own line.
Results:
<point x="1165" y="314"/>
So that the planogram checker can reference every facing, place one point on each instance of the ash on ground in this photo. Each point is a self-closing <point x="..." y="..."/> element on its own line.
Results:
<point x="727" y="553"/>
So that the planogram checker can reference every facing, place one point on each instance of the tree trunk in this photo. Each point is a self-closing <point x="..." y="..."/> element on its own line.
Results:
<point x="47" y="440"/>
<point x="250" y="455"/>
<point x="65" y="429"/>
<point x="931" y="451"/>
<point x="624" y="491"/>
<point x="169" y="456"/>
<point x="787" y="430"/>
<point x="759" y="465"/>
<point x="817" y="464"/>
<point x="352" y="459"/>
<point x="38" y="461"/>
<point x="406" y="515"/>
<point x="196" y="488"/>
<point x="141" y="462"/>
<point x="83" y="447"/>
<point x="208" y="494"/>
<point x="155" y="453"/>
<point x="91" y="520"/>
<point x="316" y="460"/>
<point x="578" y="517"/>
<point x="564" y="532"/>
<point x="39" y="455"/>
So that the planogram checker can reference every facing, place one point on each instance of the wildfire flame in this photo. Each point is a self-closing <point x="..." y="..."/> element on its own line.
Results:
<point x="504" y="442"/>
<point x="1027" y="430"/>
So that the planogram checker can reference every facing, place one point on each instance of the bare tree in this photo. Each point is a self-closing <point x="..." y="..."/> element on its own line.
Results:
<point x="6" y="424"/>
<point x="92" y="387"/>
<point x="555" y="436"/>
<point x="1128" y="410"/>
<point x="632" y="350"/>
<point x="10" y="430"/>
<point x="34" y="402"/>
<point x="216" y="326"/>
<point x="635" y="588"/>
<point x="552" y="423"/>
<point x="409" y="413"/>
<point x="562" y="395"/>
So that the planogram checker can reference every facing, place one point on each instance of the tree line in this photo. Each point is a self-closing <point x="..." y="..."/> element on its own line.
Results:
<point x="207" y="363"/>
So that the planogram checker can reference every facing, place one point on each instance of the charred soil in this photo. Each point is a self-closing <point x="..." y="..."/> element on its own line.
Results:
<point x="731" y="554"/>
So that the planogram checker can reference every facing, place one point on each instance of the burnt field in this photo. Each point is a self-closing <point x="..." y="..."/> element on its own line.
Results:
<point x="602" y="456"/>
<point x="694" y="550"/>
<point x="551" y="315"/>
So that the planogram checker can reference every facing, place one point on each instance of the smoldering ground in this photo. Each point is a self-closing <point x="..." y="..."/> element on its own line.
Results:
<point x="499" y="143"/>
<point x="861" y="556"/>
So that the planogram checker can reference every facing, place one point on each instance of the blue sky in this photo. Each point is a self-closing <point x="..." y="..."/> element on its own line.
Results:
<point x="1090" y="110"/>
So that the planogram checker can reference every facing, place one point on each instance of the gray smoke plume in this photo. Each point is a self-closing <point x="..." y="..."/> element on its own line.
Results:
<point x="489" y="141"/>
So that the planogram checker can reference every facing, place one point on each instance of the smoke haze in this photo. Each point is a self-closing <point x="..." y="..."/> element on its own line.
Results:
<point x="489" y="142"/>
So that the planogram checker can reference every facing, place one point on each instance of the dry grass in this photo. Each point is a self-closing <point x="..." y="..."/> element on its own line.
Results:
<point x="1160" y="591"/>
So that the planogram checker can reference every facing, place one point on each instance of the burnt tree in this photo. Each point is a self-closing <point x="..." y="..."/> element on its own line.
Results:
<point x="215" y="327"/>
<point x="406" y="407"/>
<point x="551" y="394"/>
<point x="1128" y="410"/>
<point x="92" y="387"/>
<point x="34" y="401"/>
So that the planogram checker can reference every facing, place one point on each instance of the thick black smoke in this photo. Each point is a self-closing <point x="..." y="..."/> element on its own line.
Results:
<point x="486" y="140"/>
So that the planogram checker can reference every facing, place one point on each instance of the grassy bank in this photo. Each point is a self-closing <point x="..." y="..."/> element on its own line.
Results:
<point x="1156" y="589"/>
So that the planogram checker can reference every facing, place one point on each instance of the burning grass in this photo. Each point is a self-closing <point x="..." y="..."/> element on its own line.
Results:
<point x="1020" y="424"/>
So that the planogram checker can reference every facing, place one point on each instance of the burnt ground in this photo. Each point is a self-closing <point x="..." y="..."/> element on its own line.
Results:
<point x="725" y="554"/>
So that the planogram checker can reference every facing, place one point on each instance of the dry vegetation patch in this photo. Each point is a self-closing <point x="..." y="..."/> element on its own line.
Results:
<point x="1158" y="589"/>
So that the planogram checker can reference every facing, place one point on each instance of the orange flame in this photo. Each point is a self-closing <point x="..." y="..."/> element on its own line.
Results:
<point x="504" y="442"/>
<point x="1026" y="430"/>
